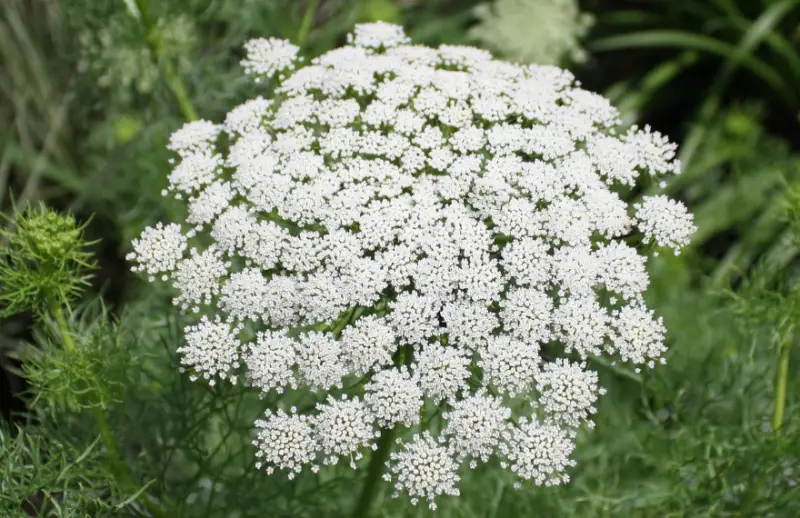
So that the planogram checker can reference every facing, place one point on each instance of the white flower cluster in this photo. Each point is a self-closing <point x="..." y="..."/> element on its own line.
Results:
<point x="425" y="225"/>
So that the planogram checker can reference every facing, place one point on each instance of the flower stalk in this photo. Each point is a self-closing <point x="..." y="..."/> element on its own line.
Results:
<point x="782" y="380"/>
<point x="307" y="21"/>
<point x="120" y="468"/>
<point x="156" y="46"/>
<point x="376" y="463"/>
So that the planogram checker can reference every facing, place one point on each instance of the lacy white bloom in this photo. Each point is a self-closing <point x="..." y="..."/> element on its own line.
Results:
<point x="414" y="317"/>
<point x="469" y="324"/>
<point x="194" y="171"/>
<point x="343" y="427"/>
<point x="232" y="228"/>
<point x="510" y="365"/>
<point x="393" y="397"/>
<point x="158" y="250"/>
<point x="244" y="296"/>
<point x="653" y="151"/>
<point x="268" y="56"/>
<point x="319" y="360"/>
<point x="411" y="227"/>
<point x="475" y="426"/>
<point x="640" y="335"/>
<point x="378" y="34"/>
<point x="198" y="277"/>
<point x="211" y="349"/>
<point x="194" y="136"/>
<point x="526" y="313"/>
<point x="622" y="270"/>
<point x="441" y="371"/>
<point x="527" y="261"/>
<point x="370" y="342"/>
<point x="539" y="452"/>
<point x="285" y="441"/>
<point x="582" y="324"/>
<point x="665" y="221"/>
<point x="270" y="361"/>
<point x="425" y="469"/>
<point x="568" y="392"/>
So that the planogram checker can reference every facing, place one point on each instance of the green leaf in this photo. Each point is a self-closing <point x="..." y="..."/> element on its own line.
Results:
<point x="136" y="495"/>
<point x="691" y="41"/>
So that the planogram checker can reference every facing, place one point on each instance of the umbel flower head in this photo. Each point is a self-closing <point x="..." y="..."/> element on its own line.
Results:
<point x="43" y="260"/>
<point x="426" y="225"/>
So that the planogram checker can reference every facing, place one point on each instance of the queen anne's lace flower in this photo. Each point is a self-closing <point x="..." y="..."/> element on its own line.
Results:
<point x="319" y="360"/>
<point x="424" y="468"/>
<point x="193" y="137"/>
<point x="270" y="361"/>
<point x="243" y="297"/>
<point x="665" y="221"/>
<point x="526" y="313"/>
<point x="211" y="349"/>
<point x="268" y="56"/>
<point x="198" y="277"/>
<point x="343" y="427"/>
<point x="475" y="426"/>
<point x="378" y="34"/>
<point x="568" y="392"/>
<point x="158" y="250"/>
<point x="285" y="441"/>
<point x="419" y="224"/>
<point x="582" y="325"/>
<point x="622" y="270"/>
<point x="469" y="324"/>
<point x="441" y="372"/>
<point x="369" y="343"/>
<point x="393" y="396"/>
<point x="510" y="365"/>
<point x="538" y="452"/>
<point x="194" y="171"/>
<point x="639" y="336"/>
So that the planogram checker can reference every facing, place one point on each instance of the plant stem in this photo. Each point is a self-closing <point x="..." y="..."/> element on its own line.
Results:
<point x="779" y="407"/>
<point x="782" y="380"/>
<point x="120" y="467"/>
<point x="156" y="46"/>
<point x="374" y="470"/>
<point x="63" y="328"/>
<point x="381" y="454"/>
<point x="307" y="21"/>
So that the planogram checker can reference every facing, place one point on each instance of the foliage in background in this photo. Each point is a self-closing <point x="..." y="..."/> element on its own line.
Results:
<point x="544" y="32"/>
<point x="696" y="440"/>
<point x="691" y="57"/>
<point x="52" y="477"/>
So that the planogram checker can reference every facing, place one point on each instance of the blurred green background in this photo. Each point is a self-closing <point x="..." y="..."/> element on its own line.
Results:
<point x="91" y="89"/>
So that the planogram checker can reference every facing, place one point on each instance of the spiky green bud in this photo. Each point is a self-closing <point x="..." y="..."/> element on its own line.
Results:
<point x="43" y="260"/>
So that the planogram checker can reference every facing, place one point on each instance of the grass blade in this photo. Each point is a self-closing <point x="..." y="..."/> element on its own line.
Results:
<point x="691" y="41"/>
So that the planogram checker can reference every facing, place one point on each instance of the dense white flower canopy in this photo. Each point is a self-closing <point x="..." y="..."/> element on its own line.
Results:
<point x="430" y="226"/>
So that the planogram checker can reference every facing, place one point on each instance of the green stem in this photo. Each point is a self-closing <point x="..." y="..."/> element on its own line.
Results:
<point x="779" y="407"/>
<point x="305" y="23"/>
<point x="120" y="468"/>
<point x="782" y="381"/>
<point x="381" y="454"/>
<point x="617" y="369"/>
<point x="63" y="327"/>
<point x="374" y="471"/>
<point x="156" y="46"/>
